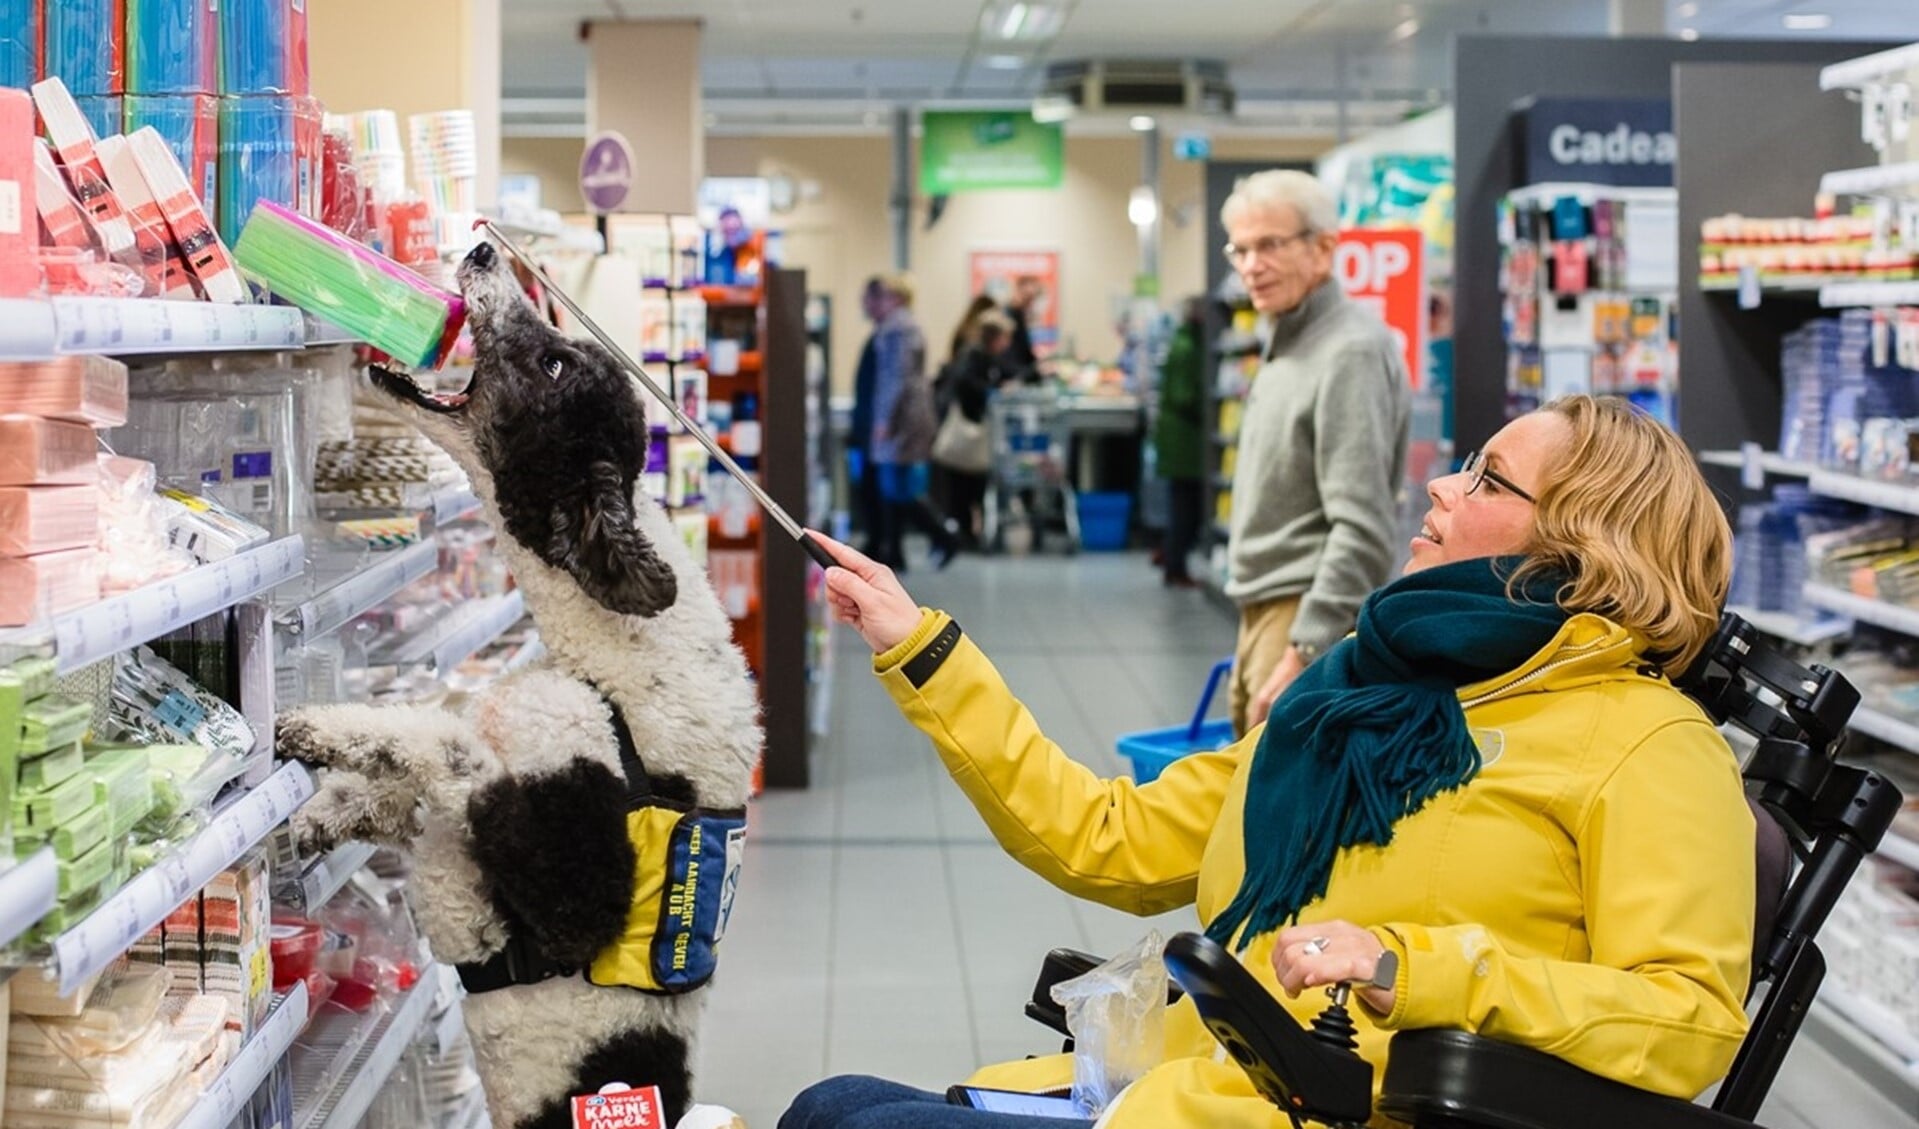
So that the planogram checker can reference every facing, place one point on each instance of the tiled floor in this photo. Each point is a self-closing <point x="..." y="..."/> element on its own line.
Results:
<point x="879" y="929"/>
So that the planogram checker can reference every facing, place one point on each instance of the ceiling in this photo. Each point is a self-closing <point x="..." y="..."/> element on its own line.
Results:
<point x="842" y="65"/>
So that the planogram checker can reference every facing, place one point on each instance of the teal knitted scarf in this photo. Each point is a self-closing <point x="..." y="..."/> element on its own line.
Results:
<point x="1373" y="730"/>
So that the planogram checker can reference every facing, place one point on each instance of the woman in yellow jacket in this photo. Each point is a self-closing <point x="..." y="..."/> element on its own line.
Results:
<point x="1493" y="780"/>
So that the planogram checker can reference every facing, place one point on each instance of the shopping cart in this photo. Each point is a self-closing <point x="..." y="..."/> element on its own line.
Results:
<point x="1154" y="749"/>
<point x="1027" y="481"/>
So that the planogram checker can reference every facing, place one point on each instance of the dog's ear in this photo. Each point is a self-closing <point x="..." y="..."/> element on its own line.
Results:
<point x="594" y="539"/>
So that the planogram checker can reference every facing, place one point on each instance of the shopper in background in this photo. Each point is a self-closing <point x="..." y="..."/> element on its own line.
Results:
<point x="1179" y="441"/>
<point x="1490" y="782"/>
<point x="1322" y="443"/>
<point x="1021" y="361"/>
<point x="860" y="471"/>
<point x="966" y="332"/>
<point x="904" y="424"/>
<point x="963" y="388"/>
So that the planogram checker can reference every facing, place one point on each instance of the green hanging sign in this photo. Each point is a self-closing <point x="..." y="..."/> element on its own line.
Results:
<point x="973" y="150"/>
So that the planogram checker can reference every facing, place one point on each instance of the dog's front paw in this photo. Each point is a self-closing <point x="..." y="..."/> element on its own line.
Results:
<point x="348" y="807"/>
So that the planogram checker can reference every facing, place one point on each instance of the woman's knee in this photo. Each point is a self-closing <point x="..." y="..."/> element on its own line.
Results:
<point x="831" y="1103"/>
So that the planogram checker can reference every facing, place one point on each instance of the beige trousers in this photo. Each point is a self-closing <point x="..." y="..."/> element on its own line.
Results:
<point x="1265" y="631"/>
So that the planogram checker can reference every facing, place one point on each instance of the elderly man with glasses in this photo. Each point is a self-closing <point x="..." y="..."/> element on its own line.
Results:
<point x="1322" y="442"/>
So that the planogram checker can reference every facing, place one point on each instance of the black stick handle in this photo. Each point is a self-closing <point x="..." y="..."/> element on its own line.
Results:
<point x="818" y="552"/>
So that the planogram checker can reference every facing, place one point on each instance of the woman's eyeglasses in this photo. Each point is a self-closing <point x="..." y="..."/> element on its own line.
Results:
<point x="1475" y="469"/>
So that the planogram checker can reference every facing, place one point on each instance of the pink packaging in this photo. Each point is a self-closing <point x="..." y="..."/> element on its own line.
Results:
<point x="72" y="141"/>
<point x="46" y="519"/>
<point x="166" y="272"/>
<point x="45" y="452"/>
<point x="82" y="389"/>
<point x="47" y="585"/>
<point x="66" y="225"/>
<point x="19" y="235"/>
<point x="206" y="257"/>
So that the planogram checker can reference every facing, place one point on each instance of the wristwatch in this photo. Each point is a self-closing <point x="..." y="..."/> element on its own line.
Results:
<point x="1307" y="651"/>
<point x="1386" y="972"/>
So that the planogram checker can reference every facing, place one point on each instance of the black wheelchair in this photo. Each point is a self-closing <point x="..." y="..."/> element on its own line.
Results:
<point x="1810" y="810"/>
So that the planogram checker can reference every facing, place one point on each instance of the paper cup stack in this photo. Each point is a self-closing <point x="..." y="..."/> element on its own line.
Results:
<point x="377" y="150"/>
<point x="446" y="167"/>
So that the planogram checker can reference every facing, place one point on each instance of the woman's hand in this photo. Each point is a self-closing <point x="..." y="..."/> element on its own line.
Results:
<point x="1327" y="952"/>
<point x="867" y="596"/>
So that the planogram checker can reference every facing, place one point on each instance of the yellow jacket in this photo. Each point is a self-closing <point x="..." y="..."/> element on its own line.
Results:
<point x="1589" y="893"/>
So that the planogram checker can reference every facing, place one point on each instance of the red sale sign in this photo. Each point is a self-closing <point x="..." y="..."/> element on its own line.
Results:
<point x="625" y="1109"/>
<point x="1386" y="271"/>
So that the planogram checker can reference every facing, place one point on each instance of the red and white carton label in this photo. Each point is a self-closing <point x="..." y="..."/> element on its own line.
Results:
<point x="620" y="1108"/>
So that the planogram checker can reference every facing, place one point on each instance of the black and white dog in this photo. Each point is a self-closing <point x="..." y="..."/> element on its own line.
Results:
<point x="516" y="813"/>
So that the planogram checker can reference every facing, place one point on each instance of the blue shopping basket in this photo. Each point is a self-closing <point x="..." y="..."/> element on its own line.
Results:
<point x="1154" y="749"/>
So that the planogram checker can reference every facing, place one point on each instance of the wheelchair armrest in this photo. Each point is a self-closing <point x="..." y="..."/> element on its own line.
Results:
<point x="1455" y="1078"/>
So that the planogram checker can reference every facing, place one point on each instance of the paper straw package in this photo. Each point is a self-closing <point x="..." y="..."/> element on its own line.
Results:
<point x="105" y="113"/>
<point x="200" y="246"/>
<point x="86" y="44"/>
<point x="330" y="276"/>
<point x="48" y="584"/>
<point x="81" y="389"/>
<point x="19" y="238"/>
<point x="263" y="47"/>
<point x="20" y="24"/>
<point x="66" y="225"/>
<point x="45" y="519"/>
<point x="190" y="124"/>
<point x="166" y="271"/>
<point x="173" y="46"/>
<point x="45" y="452"/>
<point x="258" y="159"/>
<point x="73" y="142"/>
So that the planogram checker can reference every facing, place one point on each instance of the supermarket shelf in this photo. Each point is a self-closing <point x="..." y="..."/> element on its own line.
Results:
<point x="1782" y="625"/>
<point x="1871" y="179"/>
<point x="361" y="591"/>
<point x="731" y="295"/>
<point x="1768" y="461"/>
<point x="144" y="902"/>
<point x="472" y="1112"/>
<point x="1871" y="1043"/>
<point x="355" y="1087"/>
<point x="1865" y="491"/>
<point x="28" y="890"/>
<point x="565" y="236"/>
<point x="1893" y="616"/>
<point x="230" y="1093"/>
<point x="450" y="639"/>
<point x="324" y="878"/>
<point x="1896" y="848"/>
<point x="453" y="505"/>
<point x="1800" y="285"/>
<point x="1886" y="727"/>
<point x="87" y="635"/>
<point x="1838" y="294"/>
<point x="1860" y="71"/>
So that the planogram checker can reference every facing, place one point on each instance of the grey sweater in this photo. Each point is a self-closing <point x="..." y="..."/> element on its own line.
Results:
<point x="1322" y="452"/>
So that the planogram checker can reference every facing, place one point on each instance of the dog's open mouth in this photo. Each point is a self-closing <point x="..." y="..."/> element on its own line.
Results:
<point x="404" y="388"/>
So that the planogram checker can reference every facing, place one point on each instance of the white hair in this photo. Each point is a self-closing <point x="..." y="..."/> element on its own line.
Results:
<point x="1298" y="190"/>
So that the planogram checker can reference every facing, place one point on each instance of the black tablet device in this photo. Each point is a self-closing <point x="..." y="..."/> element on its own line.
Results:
<point x="1013" y="1101"/>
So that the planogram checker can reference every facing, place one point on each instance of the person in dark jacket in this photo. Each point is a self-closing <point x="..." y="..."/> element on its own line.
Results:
<point x="1179" y="441"/>
<point x="904" y="423"/>
<point x="860" y="470"/>
<point x="967" y="382"/>
<point x="1021" y="360"/>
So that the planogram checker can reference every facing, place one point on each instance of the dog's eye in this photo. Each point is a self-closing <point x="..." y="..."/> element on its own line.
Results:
<point x="555" y="366"/>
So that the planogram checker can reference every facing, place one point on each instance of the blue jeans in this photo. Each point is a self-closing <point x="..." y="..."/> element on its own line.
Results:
<point x="855" y="1101"/>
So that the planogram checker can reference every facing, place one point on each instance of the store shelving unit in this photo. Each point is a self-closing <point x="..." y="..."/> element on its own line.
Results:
<point x="1767" y="462"/>
<point x="358" y="591"/>
<point x="1839" y="295"/>
<point x="453" y="637"/>
<point x="28" y="889"/>
<point x="229" y="1093"/>
<point x="1791" y="628"/>
<point x="346" y="1058"/>
<point x="325" y="875"/>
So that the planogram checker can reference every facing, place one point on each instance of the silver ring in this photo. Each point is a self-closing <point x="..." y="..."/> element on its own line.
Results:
<point x="1316" y="946"/>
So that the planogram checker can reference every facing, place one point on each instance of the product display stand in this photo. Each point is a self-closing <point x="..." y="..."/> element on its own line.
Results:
<point x="1730" y="163"/>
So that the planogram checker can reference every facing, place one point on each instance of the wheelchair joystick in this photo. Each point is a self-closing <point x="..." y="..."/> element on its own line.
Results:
<point x="1334" y="1025"/>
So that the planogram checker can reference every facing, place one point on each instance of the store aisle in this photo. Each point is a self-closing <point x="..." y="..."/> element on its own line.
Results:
<point x="880" y="930"/>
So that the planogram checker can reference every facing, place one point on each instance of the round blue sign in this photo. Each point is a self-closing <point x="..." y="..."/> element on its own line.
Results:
<point x="606" y="172"/>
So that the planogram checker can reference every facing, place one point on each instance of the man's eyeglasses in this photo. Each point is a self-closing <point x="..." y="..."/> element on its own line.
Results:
<point x="1475" y="469"/>
<point x="1265" y="247"/>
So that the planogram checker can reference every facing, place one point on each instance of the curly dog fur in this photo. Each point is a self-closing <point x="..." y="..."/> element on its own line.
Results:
<point x="515" y="811"/>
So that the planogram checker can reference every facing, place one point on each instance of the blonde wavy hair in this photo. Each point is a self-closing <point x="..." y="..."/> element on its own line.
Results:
<point x="1626" y="515"/>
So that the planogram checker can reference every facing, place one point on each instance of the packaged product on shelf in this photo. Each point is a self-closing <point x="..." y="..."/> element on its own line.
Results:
<point x="20" y="42"/>
<point x="45" y="452"/>
<point x="189" y="124"/>
<point x="69" y="840"/>
<point x="185" y="780"/>
<point x="13" y="702"/>
<point x="263" y="47"/>
<point x="42" y="519"/>
<point x="73" y="142"/>
<point x="18" y="243"/>
<point x="44" y="770"/>
<point x="656" y="326"/>
<point x="133" y="537"/>
<point x="259" y="160"/>
<point x="86" y="44"/>
<point x="686" y="471"/>
<point x="51" y="722"/>
<point x="187" y="217"/>
<point x="46" y="585"/>
<point x="208" y="531"/>
<point x="87" y="871"/>
<point x="80" y="389"/>
<point x="123" y="785"/>
<point x="40" y="814"/>
<point x="166" y="271"/>
<point x="153" y="701"/>
<point x="63" y="223"/>
<point x="105" y="113"/>
<point x="173" y="46"/>
<point x="343" y="196"/>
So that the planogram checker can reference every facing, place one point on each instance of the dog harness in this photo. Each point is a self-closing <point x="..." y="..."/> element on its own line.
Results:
<point x="686" y="871"/>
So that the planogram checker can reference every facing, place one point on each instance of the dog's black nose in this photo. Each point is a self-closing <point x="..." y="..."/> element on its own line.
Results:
<point x="483" y="256"/>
